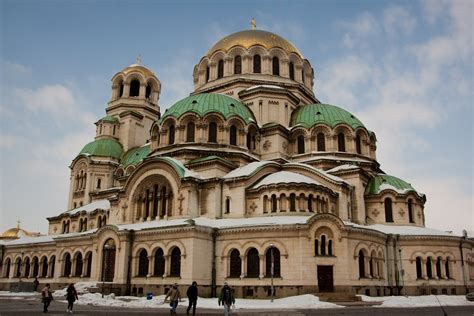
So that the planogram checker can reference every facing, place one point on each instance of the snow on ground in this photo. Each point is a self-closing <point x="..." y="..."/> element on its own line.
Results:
<point x="419" y="301"/>
<point x="301" y="301"/>
<point x="17" y="294"/>
<point x="81" y="288"/>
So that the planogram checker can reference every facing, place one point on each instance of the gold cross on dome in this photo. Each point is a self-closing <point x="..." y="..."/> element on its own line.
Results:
<point x="18" y="224"/>
<point x="139" y="60"/>
<point x="253" y="24"/>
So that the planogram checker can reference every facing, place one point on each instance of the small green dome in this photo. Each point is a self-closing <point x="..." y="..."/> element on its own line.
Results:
<point x="109" y="119"/>
<point x="103" y="147"/>
<point x="383" y="182"/>
<point x="135" y="155"/>
<point x="205" y="103"/>
<point x="318" y="113"/>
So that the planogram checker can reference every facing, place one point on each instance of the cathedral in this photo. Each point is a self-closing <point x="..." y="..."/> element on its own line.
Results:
<point x="250" y="180"/>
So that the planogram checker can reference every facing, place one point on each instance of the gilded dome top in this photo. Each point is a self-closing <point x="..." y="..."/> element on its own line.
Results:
<point x="17" y="232"/>
<point x="250" y="38"/>
<point x="138" y="68"/>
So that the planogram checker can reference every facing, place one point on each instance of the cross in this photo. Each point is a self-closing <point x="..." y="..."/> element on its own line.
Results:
<point x="253" y="24"/>
<point x="139" y="60"/>
<point x="253" y="207"/>
<point x="180" y="199"/>
<point x="18" y="224"/>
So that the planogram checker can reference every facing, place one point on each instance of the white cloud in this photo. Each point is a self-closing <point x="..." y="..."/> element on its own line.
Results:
<point x="11" y="69"/>
<point x="398" y="18"/>
<point x="179" y="80"/>
<point x="359" y="29"/>
<point x="8" y="141"/>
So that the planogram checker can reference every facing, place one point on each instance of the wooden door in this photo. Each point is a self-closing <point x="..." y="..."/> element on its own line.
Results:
<point x="325" y="279"/>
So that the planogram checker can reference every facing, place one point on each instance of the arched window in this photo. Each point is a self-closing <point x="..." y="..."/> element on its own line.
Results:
<point x="410" y="211"/>
<point x="438" y="267"/>
<point x="190" y="132"/>
<point x="99" y="183"/>
<point x="292" y="70"/>
<point x="108" y="261"/>
<point x="171" y="135"/>
<point x="44" y="267"/>
<point x="207" y="74"/>
<point x="121" y="89"/>
<point x="323" y="245"/>
<point x="275" y="66"/>
<point x="321" y="142"/>
<point x="310" y="203"/>
<point x="220" y="69"/>
<point x="35" y="267"/>
<point x="361" y="264"/>
<point x="159" y="263"/>
<point x="227" y="205"/>
<point x="78" y="271"/>
<point x="18" y="267"/>
<point x="175" y="269"/>
<point x="6" y="272"/>
<point x="148" y="91"/>
<point x="53" y="265"/>
<point x="448" y="273"/>
<point x="212" y="137"/>
<point x="300" y="141"/>
<point x="272" y="251"/>
<point x="429" y="272"/>
<point x="329" y="247"/>
<point x="292" y="202"/>
<point x="358" y="145"/>
<point x="418" y="268"/>
<point x="235" y="264"/>
<point x="27" y="268"/>
<point x="388" y="210"/>
<point x="89" y="264"/>
<point x="233" y="135"/>
<point x="303" y="75"/>
<point x="371" y="266"/>
<point x="257" y="63"/>
<point x="341" y="142"/>
<point x="237" y="65"/>
<point x="253" y="263"/>
<point x="274" y="203"/>
<point x="316" y="247"/>
<point x="134" y="88"/>
<point x="163" y="202"/>
<point x="67" y="265"/>
<point x="155" y="201"/>
<point x="265" y="202"/>
<point x="143" y="263"/>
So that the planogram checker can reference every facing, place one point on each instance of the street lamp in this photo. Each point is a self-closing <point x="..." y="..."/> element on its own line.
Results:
<point x="271" y="271"/>
<point x="104" y="260"/>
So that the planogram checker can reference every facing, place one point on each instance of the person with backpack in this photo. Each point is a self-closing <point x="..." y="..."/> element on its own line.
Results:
<point x="174" y="296"/>
<point x="71" y="297"/>
<point x="226" y="297"/>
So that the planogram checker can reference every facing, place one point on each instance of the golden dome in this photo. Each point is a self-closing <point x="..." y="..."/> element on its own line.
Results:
<point x="17" y="232"/>
<point x="138" y="68"/>
<point x="250" y="38"/>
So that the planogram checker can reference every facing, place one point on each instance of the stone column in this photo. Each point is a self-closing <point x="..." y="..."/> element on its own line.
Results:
<point x="246" y="64"/>
<point x="228" y="66"/>
<point x="167" y="265"/>
<point x="142" y="91"/>
<point x="284" y="70"/>
<point x="243" y="266"/>
<point x="212" y="71"/>
<point x="266" y="65"/>
<point x="262" y="266"/>
<point x="151" y="266"/>
<point x="126" y="90"/>
<point x="298" y="77"/>
<point x="423" y="269"/>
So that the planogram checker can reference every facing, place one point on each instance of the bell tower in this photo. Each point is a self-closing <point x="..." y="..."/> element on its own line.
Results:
<point x="134" y="103"/>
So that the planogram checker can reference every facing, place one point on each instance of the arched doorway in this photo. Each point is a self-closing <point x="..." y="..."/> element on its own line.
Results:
<point x="108" y="260"/>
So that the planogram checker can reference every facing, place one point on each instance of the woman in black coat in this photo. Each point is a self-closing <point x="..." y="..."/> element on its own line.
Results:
<point x="71" y="297"/>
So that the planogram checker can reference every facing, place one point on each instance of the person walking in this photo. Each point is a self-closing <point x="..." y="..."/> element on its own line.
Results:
<point x="46" y="297"/>
<point x="192" y="294"/>
<point x="226" y="297"/>
<point x="35" y="284"/>
<point x="174" y="296"/>
<point x="71" y="297"/>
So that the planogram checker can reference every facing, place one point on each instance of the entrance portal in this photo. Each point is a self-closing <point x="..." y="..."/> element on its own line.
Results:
<point x="325" y="279"/>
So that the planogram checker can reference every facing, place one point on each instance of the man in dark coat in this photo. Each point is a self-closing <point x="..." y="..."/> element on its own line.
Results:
<point x="226" y="297"/>
<point x="192" y="294"/>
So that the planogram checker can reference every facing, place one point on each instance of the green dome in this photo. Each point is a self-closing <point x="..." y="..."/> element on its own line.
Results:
<point x="312" y="114"/>
<point x="135" y="155"/>
<point x="104" y="148"/>
<point x="205" y="103"/>
<point x="383" y="182"/>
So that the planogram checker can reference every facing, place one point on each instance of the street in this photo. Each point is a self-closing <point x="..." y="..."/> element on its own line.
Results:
<point x="32" y="306"/>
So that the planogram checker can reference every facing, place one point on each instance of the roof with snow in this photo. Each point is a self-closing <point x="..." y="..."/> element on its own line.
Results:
<point x="285" y="177"/>
<point x="403" y="230"/>
<point x="103" y="204"/>
<point x="249" y="169"/>
<point x="383" y="182"/>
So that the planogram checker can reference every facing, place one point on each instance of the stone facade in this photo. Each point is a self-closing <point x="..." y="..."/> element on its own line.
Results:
<point x="250" y="167"/>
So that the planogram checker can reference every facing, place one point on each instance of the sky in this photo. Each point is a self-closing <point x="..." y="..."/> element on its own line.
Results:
<point x="404" y="68"/>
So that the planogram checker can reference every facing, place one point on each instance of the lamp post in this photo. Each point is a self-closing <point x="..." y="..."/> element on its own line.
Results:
<point x="271" y="271"/>
<point x="104" y="261"/>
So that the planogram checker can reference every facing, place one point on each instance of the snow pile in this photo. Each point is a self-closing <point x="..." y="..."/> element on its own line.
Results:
<point x="343" y="167"/>
<point x="285" y="177"/>
<point x="103" y="204"/>
<point x="301" y="301"/>
<point x="81" y="288"/>
<point x="247" y="169"/>
<point x="17" y="294"/>
<point x="419" y="301"/>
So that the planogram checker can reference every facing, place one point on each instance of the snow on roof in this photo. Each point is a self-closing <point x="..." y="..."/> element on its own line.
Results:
<point x="264" y="86"/>
<point x="343" y="167"/>
<point x="99" y="204"/>
<point x="219" y="223"/>
<point x="247" y="169"/>
<point x="29" y="240"/>
<point x="322" y="172"/>
<point x="403" y="230"/>
<point x="386" y="186"/>
<point x="285" y="177"/>
<point x="187" y="172"/>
